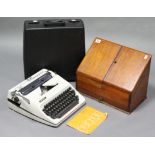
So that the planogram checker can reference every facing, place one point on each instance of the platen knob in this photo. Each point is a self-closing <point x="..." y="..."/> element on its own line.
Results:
<point x="16" y="99"/>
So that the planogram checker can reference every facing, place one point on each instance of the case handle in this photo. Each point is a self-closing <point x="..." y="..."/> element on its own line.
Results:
<point x="54" y="23"/>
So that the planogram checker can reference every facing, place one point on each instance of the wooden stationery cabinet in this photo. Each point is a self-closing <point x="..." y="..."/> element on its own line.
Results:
<point x="114" y="74"/>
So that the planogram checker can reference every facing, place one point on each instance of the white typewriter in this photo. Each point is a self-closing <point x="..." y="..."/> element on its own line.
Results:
<point x="45" y="97"/>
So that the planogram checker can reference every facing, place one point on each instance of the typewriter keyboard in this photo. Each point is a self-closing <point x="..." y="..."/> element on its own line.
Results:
<point x="61" y="104"/>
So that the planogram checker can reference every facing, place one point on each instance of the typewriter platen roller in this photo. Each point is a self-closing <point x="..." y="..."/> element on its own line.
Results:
<point x="45" y="97"/>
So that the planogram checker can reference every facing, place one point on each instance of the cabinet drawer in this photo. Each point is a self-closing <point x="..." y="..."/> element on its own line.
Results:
<point x="115" y="97"/>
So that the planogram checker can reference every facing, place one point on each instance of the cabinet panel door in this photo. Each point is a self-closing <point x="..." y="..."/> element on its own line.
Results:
<point x="99" y="59"/>
<point x="127" y="68"/>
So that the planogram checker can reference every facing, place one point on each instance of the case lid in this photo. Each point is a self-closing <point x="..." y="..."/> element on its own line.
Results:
<point x="99" y="58"/>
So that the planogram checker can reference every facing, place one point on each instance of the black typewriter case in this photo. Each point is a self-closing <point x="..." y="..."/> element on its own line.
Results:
<point x="57" y="45"/>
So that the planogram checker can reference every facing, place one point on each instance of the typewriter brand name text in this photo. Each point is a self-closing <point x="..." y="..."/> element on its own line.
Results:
<point x="42" y="99"/>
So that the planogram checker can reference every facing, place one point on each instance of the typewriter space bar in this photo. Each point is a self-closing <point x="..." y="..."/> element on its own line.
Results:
<point x="65" y="110"/>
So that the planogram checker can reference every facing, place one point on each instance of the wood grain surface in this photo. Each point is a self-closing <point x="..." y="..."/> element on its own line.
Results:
<point x="115" y="74"/>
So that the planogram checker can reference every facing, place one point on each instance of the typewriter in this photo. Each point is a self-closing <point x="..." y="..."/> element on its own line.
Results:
<point x="45" y="97"/>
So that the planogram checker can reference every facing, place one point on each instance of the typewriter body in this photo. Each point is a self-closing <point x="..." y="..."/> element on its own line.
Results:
<point x="45" y="97"/>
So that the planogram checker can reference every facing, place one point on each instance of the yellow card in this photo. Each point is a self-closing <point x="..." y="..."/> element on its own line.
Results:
<point x="87" y="120"/>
